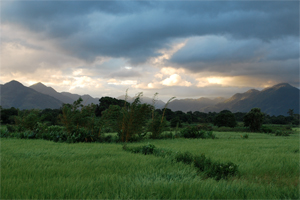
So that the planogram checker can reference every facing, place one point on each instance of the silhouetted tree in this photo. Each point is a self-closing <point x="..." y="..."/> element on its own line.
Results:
<point x="225" y="118"/>
<point x="105" y="102"/>
<point x="254" y="119"/>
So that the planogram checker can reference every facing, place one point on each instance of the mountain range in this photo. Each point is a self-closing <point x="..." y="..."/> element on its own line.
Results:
<point x="64" y="97"/>
<point x="275" y="100"/>
<point x="39" y="96"/>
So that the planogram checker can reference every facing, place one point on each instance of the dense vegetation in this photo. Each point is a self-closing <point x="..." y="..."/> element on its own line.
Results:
<point x="202" y="155"/>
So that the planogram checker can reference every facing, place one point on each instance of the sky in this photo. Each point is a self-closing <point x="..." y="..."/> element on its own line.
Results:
<point x="186" y="49"/>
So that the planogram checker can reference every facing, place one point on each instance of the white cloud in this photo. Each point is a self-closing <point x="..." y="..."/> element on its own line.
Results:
<point x="175" y="80"/>
<point x="121" y="82"/>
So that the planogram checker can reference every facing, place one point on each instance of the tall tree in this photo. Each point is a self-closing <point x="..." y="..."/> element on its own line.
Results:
<point x="105" y="102"/>
<point x="254" y="119"/>
<point x="225" y="118"/>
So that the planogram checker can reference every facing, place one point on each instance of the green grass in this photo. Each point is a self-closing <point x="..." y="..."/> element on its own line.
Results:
<point x="39" y="169"/>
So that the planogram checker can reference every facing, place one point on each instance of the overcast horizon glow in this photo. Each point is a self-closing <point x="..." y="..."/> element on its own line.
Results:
<point x="187" y="49"/>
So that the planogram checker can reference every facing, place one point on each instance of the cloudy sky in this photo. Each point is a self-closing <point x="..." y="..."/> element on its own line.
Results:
<point x="185" y="49"/>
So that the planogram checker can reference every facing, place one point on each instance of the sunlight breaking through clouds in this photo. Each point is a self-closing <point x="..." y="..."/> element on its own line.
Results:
<point x="104" y="47"/>
<point x="175" y="80"/>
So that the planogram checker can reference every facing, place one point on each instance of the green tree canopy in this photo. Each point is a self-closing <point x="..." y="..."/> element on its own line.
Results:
<point x="105" y="102"/>
<point x="254" y="119"/>
<point x="225" y="118"/>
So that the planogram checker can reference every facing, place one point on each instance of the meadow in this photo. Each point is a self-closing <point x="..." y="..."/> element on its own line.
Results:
<point x="38" y="169"/>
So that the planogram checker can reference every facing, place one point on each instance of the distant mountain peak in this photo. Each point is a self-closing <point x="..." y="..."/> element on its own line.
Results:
<point x="252" y="91"/>
<point x="14" y="82"/>
<point x="280" y="85"/>
<point x="39" y="84"/>
<point x="40" y="87"/>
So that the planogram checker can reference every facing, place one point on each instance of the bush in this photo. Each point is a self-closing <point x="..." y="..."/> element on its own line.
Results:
<point x="225" y="118"/>
<point x="209" y="134"/>
<point x="4" y="133"/>
<point x="215" y="170"/>
<point x="265" y="129"/>
<point x="175" y="122"/>
<point x="254" y="119"/>
<point x="194" y="132"/>
<point x="185" y="157"/>
<point x="205" y="127"/>
<point x="199" y="162"/>
<point x="191" y="132"/>
<point x="147" y="149"/>
<point x="281" y="133"/>
<point x="219" y="170"/>
<point x="11" y="128"/>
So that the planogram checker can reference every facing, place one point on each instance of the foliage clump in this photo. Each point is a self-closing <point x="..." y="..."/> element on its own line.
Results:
<point x="194" y="132"/>
<point x="225" y="118"/>
<point x="128" y="121"/>
<point x="254" y="119"/>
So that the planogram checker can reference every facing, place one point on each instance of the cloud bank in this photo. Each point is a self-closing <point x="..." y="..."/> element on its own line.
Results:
<point x="202" y="44"/>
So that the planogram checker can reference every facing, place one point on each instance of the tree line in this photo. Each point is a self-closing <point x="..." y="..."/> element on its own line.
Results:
<point x="50" y="116"/>
<point x="131" y="121"/>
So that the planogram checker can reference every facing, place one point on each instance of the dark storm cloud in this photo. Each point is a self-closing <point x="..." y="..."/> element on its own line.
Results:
<point x="220" y="54"/>
<point x="137" y="29"/>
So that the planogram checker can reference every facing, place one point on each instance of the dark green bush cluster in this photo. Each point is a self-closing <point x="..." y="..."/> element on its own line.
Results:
<point x="229" y="129"/>
<point x="56" y="133"/>
<point x="212" y="169"/>
<point x="146" y="149"/>
<point x="194" y="132"/>
<point x="205" y="127"/>
<point x="216" y="170"/>
<point x="186" y="157"/>
<point x="265" y="129"/>
<point x="277" y="130"/>
<point x="281" y="133"/>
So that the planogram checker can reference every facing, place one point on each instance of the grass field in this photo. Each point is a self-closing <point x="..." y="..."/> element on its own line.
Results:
<point x="39" y="169"/>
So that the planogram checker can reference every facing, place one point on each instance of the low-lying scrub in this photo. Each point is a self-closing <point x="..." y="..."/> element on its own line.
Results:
<point x="194" y="132"/>
<point x="277" y="130"/>
<point x="211" y="169"/>
<point x="56" y="134"/>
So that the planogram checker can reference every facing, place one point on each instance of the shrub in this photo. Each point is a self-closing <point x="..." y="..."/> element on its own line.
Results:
<point x="205" y="127"/>
<point x="167" y="135"/>
<point x="209" y="134"/>
<point x="158" y="122"/>
<point x="11" y="128"/>
<point x="128" y="121"/>
<point x="28" y="119"/>
<point x="4" y="133"/>
<point x="265" y="129"/>
<point x="55" y="128"/>
<point x="254" y="119"/>
<point x="193" y="132"/>
<point x="219" y="170"/>
<point x="281" y="133"/>
<point x="146" y="149"/>
<point x="225" y="118"/>
<point x="175" y="122"/>
<point x="199" y="162"/>
<point x="185" y="157"/>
